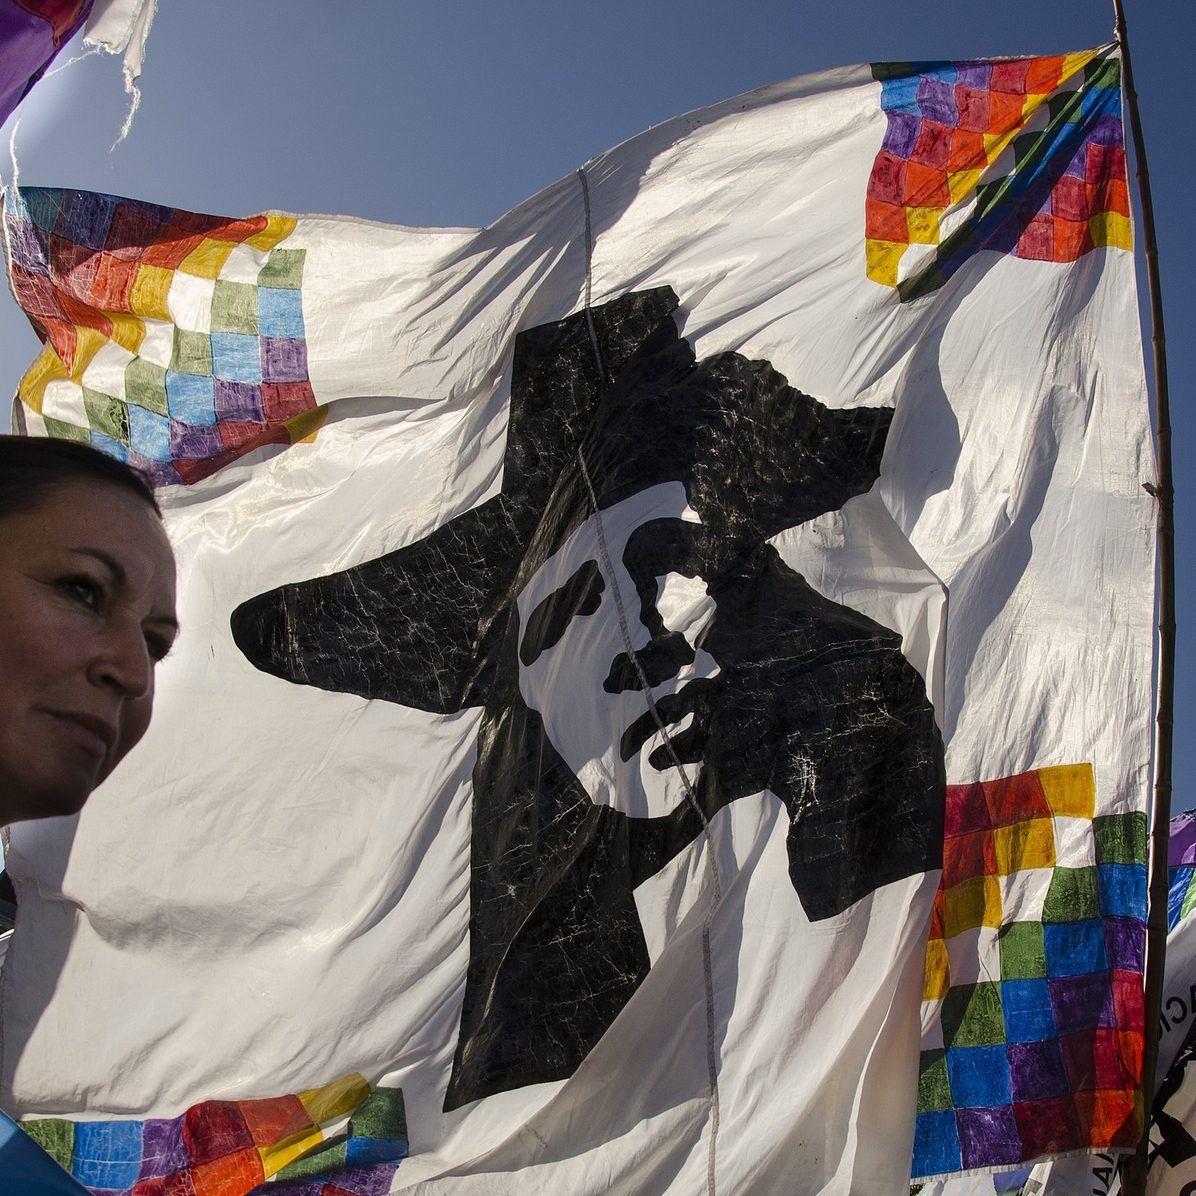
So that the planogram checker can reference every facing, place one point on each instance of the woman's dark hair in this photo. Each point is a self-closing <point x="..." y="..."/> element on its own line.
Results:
<point x="30" y="466"/>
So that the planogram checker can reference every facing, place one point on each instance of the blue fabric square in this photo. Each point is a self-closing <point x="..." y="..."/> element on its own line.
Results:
<point x="979" y="1076"/>
<point x="108" y="446"/>
<point x="900" y="95"/>
<point x="280" y="312"/>
<point x="107" y="1153"/>
<point x="368" y="1152"/>
<point x="1075" y="948"/>
<point x="936" y="1144"/>
<point x="1028" y="1013"/>
<point x="41" y="204"/>
<point x="1180" y="879"/>
<point x="191" y="398"/>
<point x="1123" y="890"/>
<point x="85" y="218"/>
<point x="236" y="356"/>
<point x="149" y="433"/>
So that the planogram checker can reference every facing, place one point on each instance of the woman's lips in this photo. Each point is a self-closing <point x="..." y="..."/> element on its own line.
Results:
<point x="94" y="734"/>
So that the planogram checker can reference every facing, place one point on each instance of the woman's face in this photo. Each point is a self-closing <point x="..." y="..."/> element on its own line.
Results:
<point x="87" y="609"/>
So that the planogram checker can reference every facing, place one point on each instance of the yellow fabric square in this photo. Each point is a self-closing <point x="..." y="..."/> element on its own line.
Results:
<point x="207" y="259"/>
<point x="337" y="1099"/>
<point x="994" y="143"/>
<point x="127" y="331"/>
<point x="975" y="902"/>
<point x="278" y="1155"/>
<point x="961" y="183"/>
<point x="1111" y="229"/>
<point x="1075" y="62"/>
<point x="151" y="285"/>
<point x="923" y="225"/>
<point x="1070" y="790"/>
<point x="883" y="258"/>
<point x="937" y="977"/>
<point x="32" y="387"/>
<point x="88" y="342"/>
<point x="302" y="429"/>
<point x="1029" y="844"/>
<point x="277" y="229"/>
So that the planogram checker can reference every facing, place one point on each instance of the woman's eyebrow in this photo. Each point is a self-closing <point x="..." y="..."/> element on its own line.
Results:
<point x="108" y="561"/>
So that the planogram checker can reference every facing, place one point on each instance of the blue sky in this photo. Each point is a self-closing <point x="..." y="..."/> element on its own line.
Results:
<point x="427" y="113"/>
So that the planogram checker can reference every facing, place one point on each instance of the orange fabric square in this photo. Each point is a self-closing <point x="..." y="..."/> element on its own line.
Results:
<point x="238" y="230"/>
<point x="967" y="151"/>
<point x="1112" y="1118"/>
<point x="1025" y="845"/>
<point x="1043" y="74"/>
<point x="170" y="253"/>
<point x="84" y="315"/>
<point x="925" y="186"/>
<point x="1004" y="112"/>
<point x="113" y="284"/>
<point x="231" y="1175"/>
<point x="1071" y="239"/>
<point x="1015" y="799"/>
<point x="1111" y="196"/>
<point x="270" y="1121"/>
<point x="966" y="856"/>
<point x="884" y="221"/>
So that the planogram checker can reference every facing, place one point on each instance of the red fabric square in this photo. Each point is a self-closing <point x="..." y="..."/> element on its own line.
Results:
<point x="83" y="313"/>
<point x="887" y="181"/>
<point x="177" y="1184"/>
<point x="114" y="283"/>
<point x="1010" y="76"/>
<point x="214" y="1129"/>
<point x="967" y="151"/>
<point x="967" y="809"/>
<point x="236" y="432"/>
<point x="1043" y="74"/>
<point x="283" y="400"/>
<point x="231" y="1175"/>
<point x="966" y="856"/>
<point x="933" y="146"/>
<point x="1129" y="1003"/>
<point x="36" y="294"/>
<point x="1069" y="198"/>
<point x="1103" y="162"/>
<point x="270" y="1121"/>
<point x="131" y="230"/>
<point x="1048" y="1126"/>
<point x="1037" y="242"/>
<point x="925" y="186"/>
<point x="936" y="914"/>
<point x="1015" y="799"/>
<point x="885" y="221"/>
<point x="974" y="108"/>
<point x="73" y="266"/>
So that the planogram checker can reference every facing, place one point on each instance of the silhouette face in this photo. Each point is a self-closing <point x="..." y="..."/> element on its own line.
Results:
<point x="603" y="707"/>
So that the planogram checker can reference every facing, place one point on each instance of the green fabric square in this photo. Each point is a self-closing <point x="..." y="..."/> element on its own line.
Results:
<point x="192" y="353"/>
<point x="61" y="430"/>
<point x="234" y="307"/>
<point x="145" y="385"/>
<point x="283" y="269"/>
<point x="934" y="1086"/>
<point x="1072" y="896"/>
<point x="1120" y="838"/>
<point x="55" y="1136"/>
<point x="381" y="1115"/>
<point x="330" y="1156"/>
<point x="106" y="415"/>
<point x="1023" y="956"/>
<point x="972" y="1016"/>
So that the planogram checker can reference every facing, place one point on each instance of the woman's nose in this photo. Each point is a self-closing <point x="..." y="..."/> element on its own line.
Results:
<point x="123" y="662"/>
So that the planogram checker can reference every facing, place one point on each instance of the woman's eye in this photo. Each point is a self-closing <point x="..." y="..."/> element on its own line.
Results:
<point x="157" y="645"/>
<point x="83" y="590"/>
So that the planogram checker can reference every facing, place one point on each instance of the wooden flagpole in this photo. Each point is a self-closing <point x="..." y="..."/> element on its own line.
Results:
<point x="1134" y="1173"/>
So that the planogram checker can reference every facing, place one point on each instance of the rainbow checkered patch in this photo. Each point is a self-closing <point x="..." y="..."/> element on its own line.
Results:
<point x="1023" y="156"/>
<point x="174" y="341"/>
<point x="341" y="1140"/>
<point x="1032" y="1008"/>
